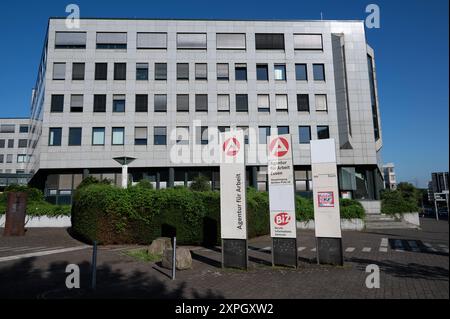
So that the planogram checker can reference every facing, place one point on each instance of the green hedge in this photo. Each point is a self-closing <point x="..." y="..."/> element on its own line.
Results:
<point x="350" y="209"/>
<point x="402" y="200"/>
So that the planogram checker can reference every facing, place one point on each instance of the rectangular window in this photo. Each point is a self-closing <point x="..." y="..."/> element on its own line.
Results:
<point x="59" y="71"/>
<point x="119" y="103"/>
<point x="262" y="72"/>
<point x="280" y="72"/>
<point x="191" y="41"/>
<point x="140" y="136"/>
<point x="78" y="71"/>
<point x="245" y="129"/>
<point x="141" y="103"/>
<point x="160" y="135"/>
<point x="304" y="134"/>
<point x="99" y="103"/>
<point x="264" y="133"/>
<point x="111" y="40"/>
<point x="323" y="132"/>
<point x="57" y="104"/>
<point x="201" y="71"/>
<point x="223" y="72"/>
<point x="24" y="129"/>
<point x="76" y="103"/>
<point x="10" y="143"/>
<point x="182" y="135"/>
<point x="223" y="103"/>
<point x="231" y="41"/>
<point x="74" y="136"/>
<point x="142" y="71"/>
<point x="241" y="103"/>
<point x="201" y="103"/>
<point x="303" y="102"/>
<point x="2" y="160"/>
<point x="182" y="103"/>
<point x="146" y="40"/>
<point x="281" y="101"/>
<point x="202" y="135"/>
<point x="118" y="136"/>
<point x="319" y="72"/>
<point x="161" y="71"/>
<point x="7" y="128"/>
<point x="301" y="72"/>
<point x="21" y="158"/>
<point x="9" y="159"/>
<point x="2" y="143"/>
<point x="183" y="71"/>
<point x="269" y="41"/>
<point x="101" y="71"/>
<point x="308" y="42"/>
<point x="283" y="130"/>
<point x="120" y="71"/>
<point x="55" y="136"/>
<point x="160" y="103"/>
<point x="70" y="40"/>
<point x="223" y="129"/>
<point x="321" y="103"/>
<point x="98" y="136"/>
<point x="240" y="72"/>
<point x="23" y="143"/>
<point x="263" y="103"/>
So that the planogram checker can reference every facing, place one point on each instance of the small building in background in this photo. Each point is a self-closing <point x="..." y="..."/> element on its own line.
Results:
<point x="390" y="179"/>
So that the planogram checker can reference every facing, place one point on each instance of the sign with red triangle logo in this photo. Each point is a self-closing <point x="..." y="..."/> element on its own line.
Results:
<point x="279" y="147"/>
<point x="231" y="147"/>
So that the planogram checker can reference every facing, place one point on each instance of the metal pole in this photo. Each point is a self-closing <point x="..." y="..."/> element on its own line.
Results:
<point x="174" y="258"/>
<point x="436" y="209"/>
<point x="94" y="267"/>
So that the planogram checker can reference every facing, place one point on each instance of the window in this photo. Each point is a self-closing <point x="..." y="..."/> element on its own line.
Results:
<point x="99" y="103"/>
<point x="119" y="103"/>
<point x="321" y="103"/>
<point x="98" y="136"/>
<point x="24" y="129"/>
<point x="262" y="72"/>
<point x="269" y="41"/>
<point x="76" y="103"/>
<point x="283" y="130"/>
<point x="2" y="143"/>
<point x="263" y="103"/>
<point x="21" y="158"/>
<point x="160" y="103"/>
<point x="2" y="159"/>
<point x="141" y="103"/>
<point x="281" y="101"/>
<point x="78" y="71"/>
<point x="308" y="42"/>
<point x="140" y="136"/>
<point x="118" y="136"/>
<point x="301" y="72"/>
<point x="7" y="128"/>
<point x="111" y="40"/>
<point x="182" y="135"/>
<point x="246" y="133"/>
<point x="304" y="133"/>
<point x="241" y="103"/>
<point x="101" y="71"/>
<point x="201" y="103"/>
<point x="160" y="135"/>
<point x="223" y="103"/>
<point x="182" y="103"/>
<point x="70" y="40"/>
<point x="151" y="40"/>
<point x="319" y="72"/>
<point x="182" y="71"/>
<point x="264" y="133"/>
<point x="9" y="159"/>
<point x="191" y="41"/>
<point x="231" y="41"/>
<point x="241" y="72"/>
<point x="303" y="102"/>
<point x="142" y="71"/>
<point x="59" y="71"/>
<point x="75" y="136"/>
<point x="120" y="71"/>
<point x="57" y="104"/>
<point x="323" y="132"/>
<point x="280" y="72"/>
<point x="201" y="71"/>
<point x="10" y="143"/>
<point x="161" y="71"/>
<point x="223" y="73"/>
<point x="202" y="135"/>
<point x="223" y="129"/>
<point x="55" y="136"/>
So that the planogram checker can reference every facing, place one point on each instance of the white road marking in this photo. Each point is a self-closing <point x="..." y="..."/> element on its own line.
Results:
<point x="383" y="249"/>
<point x="42" y="253"/>
<point x="350" y="250"/>
<point x="31" y="248"/>
<point x="266" y="248"/>
<point x="442" y="246"/>
<point x="367" y="250"/>
<point x="384" y="242"/>
<point x="5" y="248"/>
<point x="301" y="248"/>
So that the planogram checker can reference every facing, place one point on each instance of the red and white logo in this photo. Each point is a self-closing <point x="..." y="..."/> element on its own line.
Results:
<point x="282" y="219"/>
<point x="279" y="147"/>
<point x="231" y="147"/>
<point x="326" y="199"/>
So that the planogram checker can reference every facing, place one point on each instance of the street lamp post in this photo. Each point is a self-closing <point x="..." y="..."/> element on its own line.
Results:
<point x="124" y="161"/>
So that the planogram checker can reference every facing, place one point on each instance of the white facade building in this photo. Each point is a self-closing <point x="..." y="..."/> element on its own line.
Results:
<point x="390" y="179"/>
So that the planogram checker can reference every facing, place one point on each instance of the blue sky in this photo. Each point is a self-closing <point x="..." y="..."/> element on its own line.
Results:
<point x="412" y="53"/>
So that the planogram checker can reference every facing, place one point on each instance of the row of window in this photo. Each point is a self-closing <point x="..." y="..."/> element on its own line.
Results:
<point x="10" y="143"/>
<point x="187" y="41"/>
<point x="183" y="73"/>
<point x="21" y="158"/>
<point x="11" y="128"/>
<point x="183" y="103"/>
<point x="182" y="135"/>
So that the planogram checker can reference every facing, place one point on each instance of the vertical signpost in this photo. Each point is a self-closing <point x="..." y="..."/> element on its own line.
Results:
<point x="233" y="203"/>
<point x="283" y="224"/>
<point x="326" y="202"/>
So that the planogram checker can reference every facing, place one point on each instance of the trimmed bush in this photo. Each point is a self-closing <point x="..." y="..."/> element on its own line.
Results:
<point x="200" y="184"/>
<point x="350" y="209"/>
<point x="397" y="202"/>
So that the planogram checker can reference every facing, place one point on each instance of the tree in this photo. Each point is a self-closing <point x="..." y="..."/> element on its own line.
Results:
<point x="200" y="184"/>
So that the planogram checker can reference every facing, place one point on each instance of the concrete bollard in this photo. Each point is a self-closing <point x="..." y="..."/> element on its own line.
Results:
<point x="15" y="214"/>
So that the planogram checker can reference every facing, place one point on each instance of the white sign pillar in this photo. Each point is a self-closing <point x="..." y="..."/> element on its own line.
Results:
<point x="124" y="176"/>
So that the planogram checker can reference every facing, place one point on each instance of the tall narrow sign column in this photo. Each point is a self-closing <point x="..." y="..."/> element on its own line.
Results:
<point x="283" y="224"/>
<point x="233" y="203"/>
<point x="326" y="202"/>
